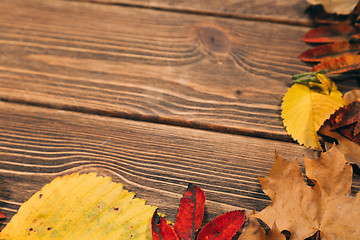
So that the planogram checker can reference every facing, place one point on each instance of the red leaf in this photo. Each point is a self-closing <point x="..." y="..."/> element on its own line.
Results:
<point x="329" y="33"/>
<point x="161" y="230"/>
<point x="346" y="121"/>
<point x="339" y="64"/>
<point x="223" y="227"/>
<point x="191" y="213"/>
<point x="2" y="215"/>
<point x="317" y="54"/>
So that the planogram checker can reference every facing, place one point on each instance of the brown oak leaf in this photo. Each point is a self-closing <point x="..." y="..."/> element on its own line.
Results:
<point x="350" y="149"/>
<point x="327" y="207"/>
<point x="256" y="232"/>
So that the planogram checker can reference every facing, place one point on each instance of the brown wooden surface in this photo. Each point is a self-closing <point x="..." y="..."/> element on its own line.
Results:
<point x="154" y="98"/>
<point x="154" y="160"/>
<point x="183" y="69"/>
<point x="287" y="11"/>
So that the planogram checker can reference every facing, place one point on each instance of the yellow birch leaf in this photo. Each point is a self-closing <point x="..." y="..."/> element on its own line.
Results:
<point x="81" y="207"/>
<point x="305" y="108"/>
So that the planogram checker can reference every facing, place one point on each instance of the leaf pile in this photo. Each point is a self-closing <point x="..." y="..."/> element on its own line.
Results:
<point x="328" y="207"/>
<point x="307" y="105"/>
<point x="340" y="39"/>
<point x="189" y="219"/>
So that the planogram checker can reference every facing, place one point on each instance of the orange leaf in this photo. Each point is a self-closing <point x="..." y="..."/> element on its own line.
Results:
<point x="191" y="213"/>
<point x="223" y="227"/>
<point x="320" y="53"/>
<point x="339" y="64"/>
<point x="329" y="33"/>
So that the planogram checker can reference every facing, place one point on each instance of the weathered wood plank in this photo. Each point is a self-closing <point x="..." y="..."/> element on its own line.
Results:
<point x="189" y="70"/>
<point x="292" y="12"/>
<point x="154" y="160"/>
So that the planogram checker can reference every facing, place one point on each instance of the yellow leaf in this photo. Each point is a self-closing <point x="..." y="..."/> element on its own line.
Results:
<point x="327" y="207"/>
<point x="336" y="6"/>
<point x="305" y="108"/>
<point x="81" y="207"/>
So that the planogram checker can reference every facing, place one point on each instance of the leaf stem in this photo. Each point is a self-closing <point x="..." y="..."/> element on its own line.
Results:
<point x="307" y="77"/>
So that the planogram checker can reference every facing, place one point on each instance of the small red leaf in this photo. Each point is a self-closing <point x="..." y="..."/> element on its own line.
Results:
<point x="161" y="230"/>
<point x="223" y="227"/>
<point x="317" y="54"/>
<point x="2" y="215"/>
<point x="191" y="213"/>
<point x="339" y="64"/>
<point x="329" y="33"/>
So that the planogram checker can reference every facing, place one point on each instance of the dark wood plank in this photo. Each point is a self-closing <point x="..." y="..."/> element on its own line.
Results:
<point x="291" y="12"/>
<point x="154" y="160"/>
<point x="183" y="69"/>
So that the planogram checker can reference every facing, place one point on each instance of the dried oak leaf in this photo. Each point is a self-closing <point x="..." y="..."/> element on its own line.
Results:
<point x="305" y="108"/>
<point x="327" y="207"/>
<point x="350" y="149"/>
<point x="256" y="232"/>
<point x="336" y="6"/>
<point x="81" y="207"/>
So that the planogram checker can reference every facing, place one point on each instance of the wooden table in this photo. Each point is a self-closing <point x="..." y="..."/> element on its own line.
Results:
<point x="155" y="94"/>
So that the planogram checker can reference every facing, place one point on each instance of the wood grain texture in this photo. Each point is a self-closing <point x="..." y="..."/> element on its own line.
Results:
<point x="285" y="11"/>
<point x="154" y="160"/>
<point x="183" y="69"/>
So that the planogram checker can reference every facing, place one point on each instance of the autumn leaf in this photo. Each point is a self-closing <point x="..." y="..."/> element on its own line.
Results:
<point x="305" y="108"/>
<point x="191" y="213"/>
<point x="326" y="51"/>
<point x="256" y="232"/>
<point x="339" y="64"/>
<point x="161" y="230"/>
<point x="327" y="207"/>
<point x="2" y="216"/>
<point x="351" y="96"/>
<point x="350" y="149"/>
<point x="223" y="227"/>
<point x="336" y="6"/>
<point x="329" y="33"/>
<point x="346" y="121"/>
<point x="189" y="218"/>
<point x="81" y="207"/>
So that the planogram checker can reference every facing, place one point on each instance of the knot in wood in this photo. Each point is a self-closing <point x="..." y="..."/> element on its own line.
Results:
<point x="214" y="40"/>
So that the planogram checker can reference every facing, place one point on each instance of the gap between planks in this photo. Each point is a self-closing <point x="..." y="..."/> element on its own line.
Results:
<point x="157" y="119"/>
<point x="155" y="161"/>
<point x="203" y="12"/>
